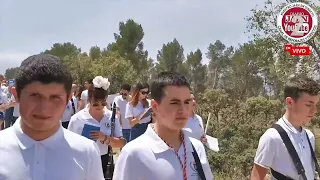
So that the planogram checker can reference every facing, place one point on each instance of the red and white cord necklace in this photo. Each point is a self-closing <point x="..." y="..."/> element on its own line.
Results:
<point x="184" y="163"/>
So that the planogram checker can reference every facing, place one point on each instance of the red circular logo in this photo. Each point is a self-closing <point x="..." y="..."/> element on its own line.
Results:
<point x="297" y="22"/>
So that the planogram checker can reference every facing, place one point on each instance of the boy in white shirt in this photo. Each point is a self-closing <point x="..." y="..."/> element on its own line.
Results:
<point x="164" y="152"/>
<point x="121" y="103"/>
<point x="3" y="104"/>
<point x="84" y="94"/>
<point x="37" y="146"/>
<point x="301" y="98"/>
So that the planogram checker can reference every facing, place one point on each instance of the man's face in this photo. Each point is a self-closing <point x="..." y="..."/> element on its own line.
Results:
<point x="124" y="93"/>
<point x="304" y="108"/>
<point x="175" y="107"/>
<point x="42" y="105"/>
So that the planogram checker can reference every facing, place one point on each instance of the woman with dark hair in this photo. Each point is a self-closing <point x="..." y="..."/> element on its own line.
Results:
<point x="94" y="121"/>
<point x="136" y="108"/>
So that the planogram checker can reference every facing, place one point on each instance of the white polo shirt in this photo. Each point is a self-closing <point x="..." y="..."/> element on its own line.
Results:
<point x="148" y="157"/>
<point x="194" y="127"/>
<point x="69" y="111"/>
<point x="133" y="112"/>
<point x="83" y="117"/>
<point x="272" y="153"/>
<point x="122" y="104"/>
<point x="64" y="156"/>
<point x="84" y="97"/>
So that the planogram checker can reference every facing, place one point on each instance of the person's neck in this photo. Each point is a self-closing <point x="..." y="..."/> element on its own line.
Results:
<point x="38" y="135"/>
<point x="172" y="137"/>
<point x="295" y="122"/>
<point x="97" y="115"/>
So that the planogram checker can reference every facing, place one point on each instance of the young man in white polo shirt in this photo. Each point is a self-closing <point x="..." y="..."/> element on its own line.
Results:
<point x="84" y="95"/>
<point x="301" y="98"/>
<point x="164" y="152"/>
<point x="121" y="103"/>
<point x="36" y="147"/>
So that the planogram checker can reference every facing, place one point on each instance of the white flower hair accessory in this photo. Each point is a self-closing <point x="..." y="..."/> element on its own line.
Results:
<point x="101" y="82"/>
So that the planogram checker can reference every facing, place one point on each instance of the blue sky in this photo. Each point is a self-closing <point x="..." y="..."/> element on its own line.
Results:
<point x="29" y="27"/>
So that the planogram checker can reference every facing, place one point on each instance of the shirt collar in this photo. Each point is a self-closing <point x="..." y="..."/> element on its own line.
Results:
<point x="86" y="115"/>
<point x="290" y="127"/>
<point x="26" y="142"/>
<point x="158" y="145"/>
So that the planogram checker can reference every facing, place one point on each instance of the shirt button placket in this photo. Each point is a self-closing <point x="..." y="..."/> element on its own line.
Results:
<point x="39" y="165"/>
<point x="36" y="163"/>
<point x="41" y="161"/>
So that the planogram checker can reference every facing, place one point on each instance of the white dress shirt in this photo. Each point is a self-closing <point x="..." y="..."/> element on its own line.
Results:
<point x="149" y="158"/>
<point x="122" y="104"/>
<point x="63" y="156"/>
<point x="84" y="97"/>
<point x="83" y="117"/>
<point x="272" y="153"/>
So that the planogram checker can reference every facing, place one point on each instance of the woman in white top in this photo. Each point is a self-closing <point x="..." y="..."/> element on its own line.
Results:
<point x="194" y="126"/>
<point x="98" y="120"/>
<point x="136" y="108"/>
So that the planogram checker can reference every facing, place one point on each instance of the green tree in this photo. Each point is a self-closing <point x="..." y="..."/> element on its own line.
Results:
<point x="170" y="57"/>
<point x="128" y="43"/>
<point x="11" y="73"/>
<point x="197" y="71"/>
<point x="63" y="50"/>
<point x="95" y="52"/>
<point x="116" y="68"/>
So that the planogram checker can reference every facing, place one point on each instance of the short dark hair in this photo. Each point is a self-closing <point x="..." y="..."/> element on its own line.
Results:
<point x="95" y="94"/>
<point x="126" y="87"/>
<point x="166" y="79"/>
<point x="300" y="84"/>
<point x="44" y="68"/>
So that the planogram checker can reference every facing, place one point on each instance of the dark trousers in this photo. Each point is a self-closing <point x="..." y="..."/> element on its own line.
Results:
<point x="65" y="124"/>
<point x="104" y="160"/>
<point x="137" y="130"/>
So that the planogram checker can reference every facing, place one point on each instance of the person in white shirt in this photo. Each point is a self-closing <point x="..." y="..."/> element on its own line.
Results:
<point x="3" y="107"/>
<point x="164" y="152"/>
<point x="84" y="94"/>
<point x="121" y="102"/>
<point x="69" y="111"/>
<point x="77" y="96"/>
<point x="12" y="110"/>
<point x="37" y="147"/>
<point x="137" y="106"/>
<point x="194" y="126"/>
<point x="97" y="115"/>
<point x="301" y="98"/>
